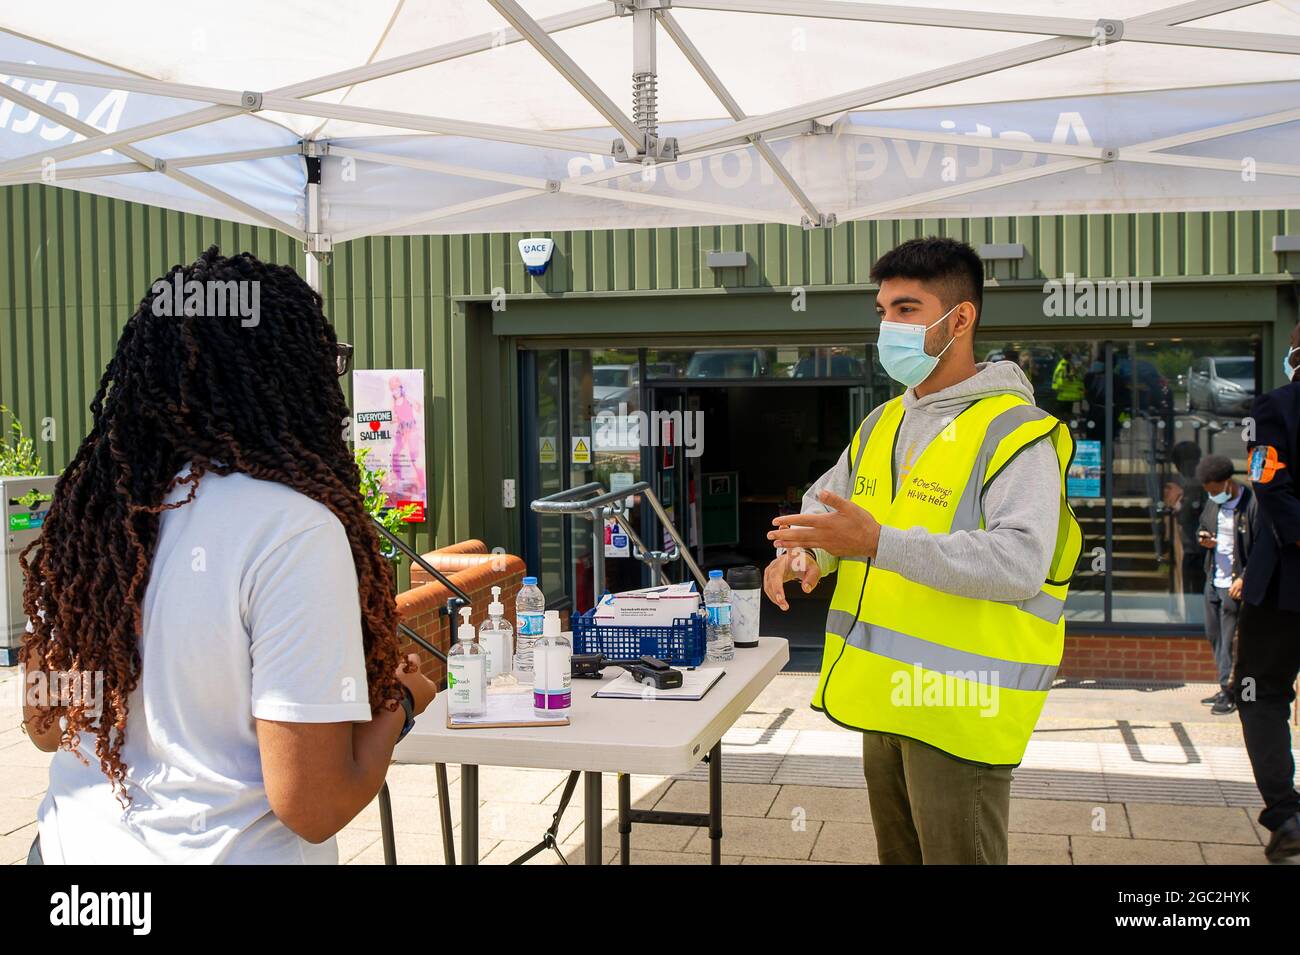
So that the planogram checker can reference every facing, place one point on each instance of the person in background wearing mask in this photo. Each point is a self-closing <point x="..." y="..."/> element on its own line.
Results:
<point x="1225" y="533"/>
<point x="947" y="525"/>
<point x="1268" y="639"/>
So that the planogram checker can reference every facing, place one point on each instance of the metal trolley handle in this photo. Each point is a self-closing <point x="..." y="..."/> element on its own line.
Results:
<point x="595" y="503"/>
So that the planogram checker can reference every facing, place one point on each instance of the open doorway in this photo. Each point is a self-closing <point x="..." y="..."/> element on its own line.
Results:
<point x="756" y="426"/>
<point x="757" y="442"/>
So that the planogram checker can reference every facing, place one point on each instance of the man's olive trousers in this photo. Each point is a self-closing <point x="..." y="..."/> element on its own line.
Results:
<point x="932" y="808"/>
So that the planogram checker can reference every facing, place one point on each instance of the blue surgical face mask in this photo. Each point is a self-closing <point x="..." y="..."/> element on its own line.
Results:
<point x="1288" y="370"/>
<point x="1221" y="498"/>
<point x="902" y="351"/>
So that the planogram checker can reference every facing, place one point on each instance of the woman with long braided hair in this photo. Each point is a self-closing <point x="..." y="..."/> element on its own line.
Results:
<point x="210" y="584"/>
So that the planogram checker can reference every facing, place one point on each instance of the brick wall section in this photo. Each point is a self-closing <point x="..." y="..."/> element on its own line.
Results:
<point x="475" y="572"/>
<point x="1119" y="657"/>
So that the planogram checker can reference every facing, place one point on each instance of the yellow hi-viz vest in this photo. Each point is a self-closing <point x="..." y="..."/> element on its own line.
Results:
<point x="964" y="675"/>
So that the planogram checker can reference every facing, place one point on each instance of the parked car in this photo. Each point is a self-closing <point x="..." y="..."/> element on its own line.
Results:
<point x="614" y="384"/>
<point x="835" y="365"/>
<point x="1221" y="385"/>
<point x="728" y="363"/>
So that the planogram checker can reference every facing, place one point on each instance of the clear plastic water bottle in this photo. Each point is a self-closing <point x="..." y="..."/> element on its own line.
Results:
<point x="530" y="611"/>
<point x="717" y="602"/>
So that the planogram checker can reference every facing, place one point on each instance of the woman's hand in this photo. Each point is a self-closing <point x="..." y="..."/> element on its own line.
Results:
<point x="423" y="690"/>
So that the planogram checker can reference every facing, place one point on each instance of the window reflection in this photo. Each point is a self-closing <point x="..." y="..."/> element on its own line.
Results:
<point x="759" y="362"/>
<point x="1170" y="403"/>
<point x="604" y="398"/>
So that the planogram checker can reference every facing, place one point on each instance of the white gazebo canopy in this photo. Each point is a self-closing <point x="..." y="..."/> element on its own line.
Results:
<point x="331" y="121"/>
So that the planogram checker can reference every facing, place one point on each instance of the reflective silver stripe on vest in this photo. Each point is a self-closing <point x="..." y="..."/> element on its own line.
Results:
<point x="969" y="510"/>
<point x="938" y="658"/>
<point x="868" y="425"/>
<point x="1042" y="605"/>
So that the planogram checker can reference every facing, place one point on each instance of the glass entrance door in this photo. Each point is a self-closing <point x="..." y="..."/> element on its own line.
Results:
<point x="1143" y="412"/>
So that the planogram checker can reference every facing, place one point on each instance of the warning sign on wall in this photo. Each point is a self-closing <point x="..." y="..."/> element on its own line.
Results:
<point x="545" y="450"/>
<point x="581" y="450"/>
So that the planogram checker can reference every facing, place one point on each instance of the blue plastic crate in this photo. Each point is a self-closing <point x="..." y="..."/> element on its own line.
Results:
<point x="683" y="644"/>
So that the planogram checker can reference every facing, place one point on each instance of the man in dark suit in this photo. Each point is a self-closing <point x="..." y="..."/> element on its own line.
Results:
<point x="1268" y="643"/>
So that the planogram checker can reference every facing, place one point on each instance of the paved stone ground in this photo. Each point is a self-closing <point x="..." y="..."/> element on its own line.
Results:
<point x="1114" y="775"/>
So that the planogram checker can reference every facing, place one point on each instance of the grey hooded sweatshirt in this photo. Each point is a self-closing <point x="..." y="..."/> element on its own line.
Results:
<point x="1009" y="558"/>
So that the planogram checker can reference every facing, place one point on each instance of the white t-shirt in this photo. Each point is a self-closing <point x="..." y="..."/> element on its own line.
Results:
<point x="1225" y="541"/>
<point x="251" y="610"/>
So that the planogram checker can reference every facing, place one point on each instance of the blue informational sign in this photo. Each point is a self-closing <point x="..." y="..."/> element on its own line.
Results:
<point x="1083" y="479"/>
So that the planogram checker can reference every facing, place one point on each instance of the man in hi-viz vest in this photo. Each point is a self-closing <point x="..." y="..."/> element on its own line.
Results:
<point x="946" y="524"/>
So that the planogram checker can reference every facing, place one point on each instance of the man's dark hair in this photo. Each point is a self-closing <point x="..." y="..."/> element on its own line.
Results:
<point x="952" y="267"/>
<point x="1186" y="455"/>
<point x="1214" y="467"/>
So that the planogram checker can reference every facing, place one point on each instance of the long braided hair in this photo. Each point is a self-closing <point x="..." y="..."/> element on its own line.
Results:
<point x="229" y="395"/>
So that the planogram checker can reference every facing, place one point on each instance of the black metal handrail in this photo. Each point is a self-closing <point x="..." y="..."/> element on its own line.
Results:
<point x="459" y="597"/>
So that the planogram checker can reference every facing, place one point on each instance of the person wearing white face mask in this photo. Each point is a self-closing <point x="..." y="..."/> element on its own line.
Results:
<point x="946" y="523"/>
<point x="1226" y="532"/>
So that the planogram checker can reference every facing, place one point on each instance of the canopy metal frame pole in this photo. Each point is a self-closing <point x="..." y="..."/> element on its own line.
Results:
<point x="149" y="161"/>
<point x="1003" y="22"/>
<point x="952" y="73"/>
<point x="764" y="149"/>
<point x="313" y="87"/>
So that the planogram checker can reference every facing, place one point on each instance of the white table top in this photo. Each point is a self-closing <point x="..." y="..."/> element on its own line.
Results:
<point x="651" y="737"/>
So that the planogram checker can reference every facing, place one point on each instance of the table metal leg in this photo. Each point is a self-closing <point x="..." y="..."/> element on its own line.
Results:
<point x="444" y="814"/>
<point x="591" y="797"/>
<point x="469" y="814"/>
<point x="386" y="825"/>
<point x="715" y="804"/>
<point x="624" y="819"/>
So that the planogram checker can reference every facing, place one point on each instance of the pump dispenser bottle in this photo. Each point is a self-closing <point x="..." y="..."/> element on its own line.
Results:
<point x="497" y="638"/>
<point x="466" y="672"/>
<point x="552" y="670"/>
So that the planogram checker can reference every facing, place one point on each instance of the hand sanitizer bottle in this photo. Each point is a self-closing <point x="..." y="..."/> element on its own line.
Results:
<point x="497" y="638"/>
<point x="552" y="670"/>
<point x="466" y="672"/>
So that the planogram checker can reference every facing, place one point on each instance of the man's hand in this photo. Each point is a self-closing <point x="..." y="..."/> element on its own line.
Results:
<point x="845" y="531"/>
<point x="1173" y="494"/>
<point x="1236" y="587"/>
<point x="794" y="564"/>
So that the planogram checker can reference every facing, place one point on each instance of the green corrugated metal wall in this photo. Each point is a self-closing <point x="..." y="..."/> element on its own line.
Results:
<point x="73" y="266"/>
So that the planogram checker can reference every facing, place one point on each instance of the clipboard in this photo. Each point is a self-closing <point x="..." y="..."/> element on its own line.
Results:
<point x="504" y="711"/>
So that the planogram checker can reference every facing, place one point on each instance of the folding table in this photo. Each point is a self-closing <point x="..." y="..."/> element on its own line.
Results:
<point x="628" y="737"/>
